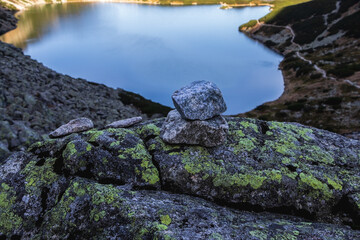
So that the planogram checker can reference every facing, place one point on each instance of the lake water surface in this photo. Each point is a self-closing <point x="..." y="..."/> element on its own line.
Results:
<point x="153" y="50"/>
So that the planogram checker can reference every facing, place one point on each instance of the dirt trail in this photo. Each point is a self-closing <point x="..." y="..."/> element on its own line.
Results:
<point x="299" y="47"/>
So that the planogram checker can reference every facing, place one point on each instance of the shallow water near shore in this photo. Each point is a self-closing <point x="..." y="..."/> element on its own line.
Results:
<point x="153" y="50"/>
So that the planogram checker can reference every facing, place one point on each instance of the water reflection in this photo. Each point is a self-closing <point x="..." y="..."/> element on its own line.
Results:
<point x="153" y="50"/>
<point x="38" y="20"/>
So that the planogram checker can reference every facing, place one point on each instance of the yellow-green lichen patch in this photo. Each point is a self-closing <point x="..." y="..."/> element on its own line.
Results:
<point x="93" y="134"/>
<point x="99" y="199"/>
<point x="248" y="124"/>
<point x="319" y="189"/>
<point x="274" y="175"/>
<point x="242" y="142"/>
<point x="335" y="183"/>
<point x="148" y="129"/>
<point x="291" y="129"/>
<point x="163" y="146"/>
<point x="197" y="161"/>
<point x="286" y="172"/>
<point x="316" y="154"/>
<point x="39" y="176"/>
<point x="71" y="149"/>
<point x="104" y="194"/>
<point x="165" y="219"/>
<point x="159" y="227"/>
<point x="148" y="171"/>
<point x="9" y="221"/>
<point x="120" y="133"/>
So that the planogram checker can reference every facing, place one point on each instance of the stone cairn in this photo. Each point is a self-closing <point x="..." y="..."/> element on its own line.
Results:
<point x="196" y="120"/>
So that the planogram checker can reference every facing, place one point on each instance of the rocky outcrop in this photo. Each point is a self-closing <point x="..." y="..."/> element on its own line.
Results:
<point x="129" y="184"/>
<point x="7" y="20"/>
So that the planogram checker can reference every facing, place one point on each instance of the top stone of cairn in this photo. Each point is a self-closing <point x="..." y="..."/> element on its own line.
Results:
<point x="200" y="100"/>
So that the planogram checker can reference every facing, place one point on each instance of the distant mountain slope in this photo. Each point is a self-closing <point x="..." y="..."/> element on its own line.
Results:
<point x="321" y="67"/>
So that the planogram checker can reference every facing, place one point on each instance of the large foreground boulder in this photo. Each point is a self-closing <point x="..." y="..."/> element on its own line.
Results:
<point x="129" y="184"/>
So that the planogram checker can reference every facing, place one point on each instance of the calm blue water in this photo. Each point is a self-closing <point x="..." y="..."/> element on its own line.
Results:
<point x="154" y="50"/>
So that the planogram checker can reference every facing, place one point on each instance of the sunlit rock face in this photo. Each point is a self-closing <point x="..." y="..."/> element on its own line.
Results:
<point x="109" y="184"/>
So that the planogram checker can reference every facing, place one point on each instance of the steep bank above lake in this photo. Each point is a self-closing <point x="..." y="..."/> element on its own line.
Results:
<point x="35" y="99"/>
<point x="321" y="48"/>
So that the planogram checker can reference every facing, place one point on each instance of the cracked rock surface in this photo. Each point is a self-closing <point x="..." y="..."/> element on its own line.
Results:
<point x="269" y="180"/>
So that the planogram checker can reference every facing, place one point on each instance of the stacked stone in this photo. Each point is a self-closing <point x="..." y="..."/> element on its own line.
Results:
<point x="196" y="120"/>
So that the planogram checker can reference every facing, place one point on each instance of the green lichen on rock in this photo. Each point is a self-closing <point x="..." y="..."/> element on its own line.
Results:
<point x="148" y="130"/>
<point x="318" y="188"/>
<point x="165" y="219"/>
<point x="147" y="170"/>
<point x="93" y="134"/>
<point x="292" y="129"/>
<point x="39" y="176"/>
<point x="249" y="124"/>
<point x="292" y="161"/>
<point x="71" y="150"/>
<point x="9" y="220"/>
<point x="295" y="168"/>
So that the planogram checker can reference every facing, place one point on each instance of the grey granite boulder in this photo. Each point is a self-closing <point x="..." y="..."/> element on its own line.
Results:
<point x="75" y="125"/>
<point x="200" y="100"/>
<point x="209" y="133"/>
<point x="124" y="122"/>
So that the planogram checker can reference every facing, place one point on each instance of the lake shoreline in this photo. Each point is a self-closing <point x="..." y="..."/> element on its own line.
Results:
<point x="312" y="96"/>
